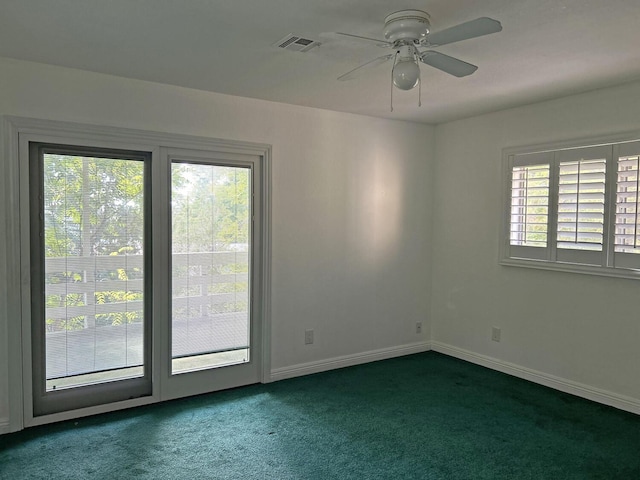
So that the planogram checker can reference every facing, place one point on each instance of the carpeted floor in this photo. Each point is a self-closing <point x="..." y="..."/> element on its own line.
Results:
<point x="424" y="416"/>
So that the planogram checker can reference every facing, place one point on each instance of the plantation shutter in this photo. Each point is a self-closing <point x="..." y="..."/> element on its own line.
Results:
<point x="627" y="214"/>
<point x="581" y="205"/>
<point x="529" y="208"/>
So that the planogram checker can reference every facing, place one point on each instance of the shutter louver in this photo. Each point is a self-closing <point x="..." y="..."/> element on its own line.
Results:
<point x="581" y="197"/>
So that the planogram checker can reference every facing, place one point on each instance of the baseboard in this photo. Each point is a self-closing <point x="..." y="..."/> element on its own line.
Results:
<point x="5" y="427"/>
<point x="585" y="391"/>
<point x="347" y="361"/>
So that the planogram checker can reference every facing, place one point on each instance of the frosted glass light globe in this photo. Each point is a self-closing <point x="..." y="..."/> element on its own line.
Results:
<point x="406" y="74"/>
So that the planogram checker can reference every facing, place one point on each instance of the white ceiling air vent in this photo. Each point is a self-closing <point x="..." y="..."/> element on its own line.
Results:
<point x="296" y="43"/>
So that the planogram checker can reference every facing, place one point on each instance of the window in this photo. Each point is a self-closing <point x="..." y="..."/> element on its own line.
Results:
<point x="530" y="206"/>
<point x="574" y="208"/>
<point x="211" y="242"/>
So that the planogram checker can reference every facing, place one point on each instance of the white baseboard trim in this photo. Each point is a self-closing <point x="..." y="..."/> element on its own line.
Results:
<point x="5" y="427"/>
<point x="347" y="361"/>
<point x="621" y="402"/>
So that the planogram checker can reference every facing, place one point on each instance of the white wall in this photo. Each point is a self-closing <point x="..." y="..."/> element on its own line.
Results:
<point x="354" y="199"/>
<point x="584" y="330"/>
<point x="351" y="204"/>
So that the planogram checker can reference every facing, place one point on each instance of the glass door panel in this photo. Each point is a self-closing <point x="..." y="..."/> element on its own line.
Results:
<point x="89" y="286"/>
<point x="211" y="266"/>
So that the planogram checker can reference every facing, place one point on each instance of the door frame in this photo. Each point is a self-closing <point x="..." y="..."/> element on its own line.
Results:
<point x="17" y="133"/>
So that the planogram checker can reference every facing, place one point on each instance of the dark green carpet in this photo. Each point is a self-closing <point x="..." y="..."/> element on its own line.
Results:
<point x="424" y="416"/>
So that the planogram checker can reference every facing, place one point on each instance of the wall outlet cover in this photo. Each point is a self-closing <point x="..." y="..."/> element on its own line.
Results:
<point x="495" y="334"/>
<point x="308" y="337"/>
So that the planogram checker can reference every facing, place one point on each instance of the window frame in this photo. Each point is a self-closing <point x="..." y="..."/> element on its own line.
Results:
<point x="546" y="258"/>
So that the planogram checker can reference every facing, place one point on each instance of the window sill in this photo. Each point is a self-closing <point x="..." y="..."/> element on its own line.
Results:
<point x="627" y="273"/>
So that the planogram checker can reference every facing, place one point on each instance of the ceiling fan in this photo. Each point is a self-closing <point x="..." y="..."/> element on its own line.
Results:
<point x="408" y="34"/>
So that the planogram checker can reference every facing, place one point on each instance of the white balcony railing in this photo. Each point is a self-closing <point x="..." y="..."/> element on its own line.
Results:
<point x="209" y="309"/>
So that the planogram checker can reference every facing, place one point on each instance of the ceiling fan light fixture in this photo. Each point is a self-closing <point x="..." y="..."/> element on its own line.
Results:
<point x="406" y="74"/>
<point x="408" y="33"/>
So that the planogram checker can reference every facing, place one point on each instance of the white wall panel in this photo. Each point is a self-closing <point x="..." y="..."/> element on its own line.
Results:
<point x="584" y="329"/>
<point x="351" y="202"/>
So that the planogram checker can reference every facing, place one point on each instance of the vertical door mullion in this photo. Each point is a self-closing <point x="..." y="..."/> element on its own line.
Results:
<point x="161" y="230"/>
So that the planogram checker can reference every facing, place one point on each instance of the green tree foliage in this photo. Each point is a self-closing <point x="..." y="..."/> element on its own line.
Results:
<point x="210" y="213"/>
<point x="210" y="207"/>
<point x="94" y="208"/>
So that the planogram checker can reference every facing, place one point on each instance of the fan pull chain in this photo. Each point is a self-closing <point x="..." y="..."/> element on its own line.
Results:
<point x="394" y="65"/>
<point x="392" y="90"/>
<point x="417" y="58"/>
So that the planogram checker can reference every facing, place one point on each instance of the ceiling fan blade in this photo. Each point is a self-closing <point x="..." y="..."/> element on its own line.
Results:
<point x="340" y="35"/>
<point x="447" y="64"/>
<point x="371" y="63"/>
<point x="474" y="28"/>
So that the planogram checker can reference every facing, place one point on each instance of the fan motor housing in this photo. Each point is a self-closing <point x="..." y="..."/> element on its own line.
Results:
<point x="406" y="25"/>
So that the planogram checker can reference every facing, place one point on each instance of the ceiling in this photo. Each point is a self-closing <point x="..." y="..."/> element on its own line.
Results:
<point x="547" y="49"/>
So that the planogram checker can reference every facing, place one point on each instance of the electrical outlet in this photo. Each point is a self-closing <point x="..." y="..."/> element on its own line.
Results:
<point x="495" y="334"/>
<point x="418" y="327"/>
<point x="308" y="337"/>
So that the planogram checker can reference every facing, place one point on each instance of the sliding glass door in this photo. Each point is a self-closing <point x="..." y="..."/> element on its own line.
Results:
<point x="135" y="299"/>
<point x="90" y="330"/>
<point x="213" y="338"/>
